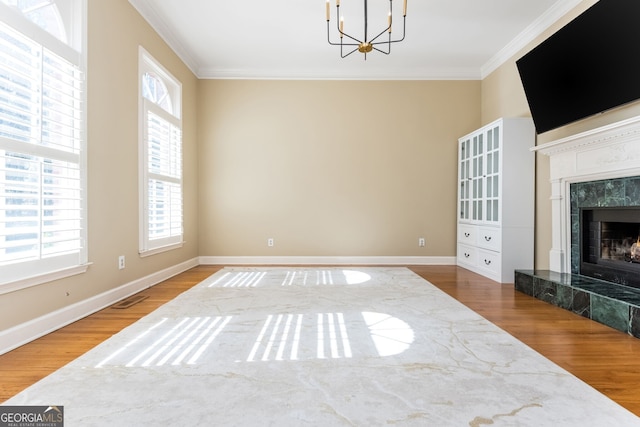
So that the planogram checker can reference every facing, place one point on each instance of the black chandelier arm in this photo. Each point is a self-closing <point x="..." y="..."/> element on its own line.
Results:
<point x="342" y="55"/>
<point x="341" y="42"/>
<point x="388" y="41"/>
<point x="352" y="38"/>
<point x="388" y="29"/>
<point x="388" y="51"/>
<point x="342" y="32"/>
<point x="373" y="40"/>
<point x="404" y="31"/>
<point x="382" y="51"/>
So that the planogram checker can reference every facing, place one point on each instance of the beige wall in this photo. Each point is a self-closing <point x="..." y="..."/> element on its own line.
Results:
<point x="115" y="32"/>
<point x="331" y="168"/>
<point x="502" y="95"/>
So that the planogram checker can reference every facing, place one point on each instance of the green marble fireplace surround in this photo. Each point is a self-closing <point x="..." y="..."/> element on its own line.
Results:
<point x="612" y="304"/>
<point x="606" y="193"/>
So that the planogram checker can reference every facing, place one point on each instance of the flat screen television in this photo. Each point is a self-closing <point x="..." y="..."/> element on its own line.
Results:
<point x="589" y="66"/>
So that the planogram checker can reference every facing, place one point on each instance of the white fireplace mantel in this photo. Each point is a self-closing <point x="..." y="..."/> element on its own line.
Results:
<point x="611" y="151"/>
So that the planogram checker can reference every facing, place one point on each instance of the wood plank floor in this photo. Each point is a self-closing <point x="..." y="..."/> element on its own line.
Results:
<point x="603" y="357"/>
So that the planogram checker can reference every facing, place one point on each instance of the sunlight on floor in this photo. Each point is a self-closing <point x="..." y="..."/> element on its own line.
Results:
<point x="252" y="279"/>
<point x="390" y="335"/>
<point x="279" y="337"/>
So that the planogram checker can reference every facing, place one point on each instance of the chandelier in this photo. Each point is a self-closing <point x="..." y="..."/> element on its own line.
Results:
<point x="366" y="45"/>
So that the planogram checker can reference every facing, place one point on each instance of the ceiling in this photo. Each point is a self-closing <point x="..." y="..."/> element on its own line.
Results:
<point x="287" y="39"/>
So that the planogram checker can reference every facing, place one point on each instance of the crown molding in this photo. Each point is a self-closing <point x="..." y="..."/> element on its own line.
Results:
<point x="146" y="8"/>
<point x="539" y="26"/>
<point x="288" y="74"/>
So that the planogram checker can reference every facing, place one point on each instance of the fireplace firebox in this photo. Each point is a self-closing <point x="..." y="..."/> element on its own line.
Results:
<point x="610" y="248"/>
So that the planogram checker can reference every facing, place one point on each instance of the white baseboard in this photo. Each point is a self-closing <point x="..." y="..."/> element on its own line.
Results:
<point x="327" y="260"/>
<point x="21" y="334"/>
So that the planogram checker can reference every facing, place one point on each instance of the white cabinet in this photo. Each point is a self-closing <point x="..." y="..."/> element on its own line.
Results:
<point x="496" y="199"/>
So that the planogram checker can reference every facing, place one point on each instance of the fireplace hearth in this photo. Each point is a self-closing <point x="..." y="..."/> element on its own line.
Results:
<point x="610" y="244"/>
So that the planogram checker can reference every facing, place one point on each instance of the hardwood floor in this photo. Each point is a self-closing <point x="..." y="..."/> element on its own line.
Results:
<point x="606" y="359"/>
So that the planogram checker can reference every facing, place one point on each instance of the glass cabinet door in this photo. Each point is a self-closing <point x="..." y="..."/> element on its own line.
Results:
<point x="464" y="178"/>
<point x="477" y="172"/>
<point x="492" y="185"/>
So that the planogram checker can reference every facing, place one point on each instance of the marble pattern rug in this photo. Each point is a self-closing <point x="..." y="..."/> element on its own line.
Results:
<point x="318" y="347"/>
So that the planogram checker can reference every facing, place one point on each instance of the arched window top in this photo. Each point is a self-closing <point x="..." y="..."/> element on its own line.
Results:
<point x="158" y="86"/>
<point x="44" y="13"/>
<point x="156" y="91"/>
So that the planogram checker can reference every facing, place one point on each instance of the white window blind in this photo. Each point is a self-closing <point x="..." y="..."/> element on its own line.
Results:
<point x="161" y="159"/>
<point x="42" y="220"/>
<point x="164" y="177"/>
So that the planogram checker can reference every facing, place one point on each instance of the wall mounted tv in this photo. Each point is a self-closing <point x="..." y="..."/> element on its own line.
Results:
<point x="589" y="66"/>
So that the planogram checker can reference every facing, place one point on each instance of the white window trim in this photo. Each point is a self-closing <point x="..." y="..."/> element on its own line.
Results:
<point x="147" y="63"/>
<point x="17" y="21"/>
<point x="44" y="278"/>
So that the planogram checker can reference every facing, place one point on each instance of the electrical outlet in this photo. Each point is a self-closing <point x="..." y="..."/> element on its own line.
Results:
<point x="121" y="262"/>
<point x="421" y="242"/>
<point x="270" y="242"/>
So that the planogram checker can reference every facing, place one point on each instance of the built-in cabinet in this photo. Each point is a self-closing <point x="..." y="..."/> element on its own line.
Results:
<point x="496" y="199"/>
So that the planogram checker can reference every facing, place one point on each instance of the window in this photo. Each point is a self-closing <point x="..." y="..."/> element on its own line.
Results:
<point x="42" y="141"/>
<point x="160" y="158"/>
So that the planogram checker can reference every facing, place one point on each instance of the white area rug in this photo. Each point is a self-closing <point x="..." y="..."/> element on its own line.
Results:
<point x="318" y="347"/>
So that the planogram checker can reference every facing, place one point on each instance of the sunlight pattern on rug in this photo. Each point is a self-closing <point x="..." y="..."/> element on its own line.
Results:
<point x="239" y="280"/>
<point x="189" y="340"/>
<point x="189" y="337"/>
<point x="334" y="342"/>
<point x="282" y="340"/>
<point x="390" y="335"/>
<point x="309" y="277"/>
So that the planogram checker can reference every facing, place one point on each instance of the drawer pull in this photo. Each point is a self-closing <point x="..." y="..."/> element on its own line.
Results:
<point x="466" y="255"/>
<point x="467" y="234"/>
<point x="487" y="238"/>
<point x="488" y="262"/>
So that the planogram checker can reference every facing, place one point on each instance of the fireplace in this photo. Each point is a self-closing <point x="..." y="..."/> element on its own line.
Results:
<point x="595" y="227"/>
<point x="593" y="169"/>
<point x="610" y="244"/>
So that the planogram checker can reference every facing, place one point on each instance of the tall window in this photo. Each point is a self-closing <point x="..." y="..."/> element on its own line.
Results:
<point x="42" y="141"/>
<point x="160" y="158"/>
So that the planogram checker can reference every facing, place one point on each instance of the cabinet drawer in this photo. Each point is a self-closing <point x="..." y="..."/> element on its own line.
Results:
<point x="490" y="261"/>
<point x="467" y="255"/>
<point x="489" y="238"/>
<point x="467" y="234"/>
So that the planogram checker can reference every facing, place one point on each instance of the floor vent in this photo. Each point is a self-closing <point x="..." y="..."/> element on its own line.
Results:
<point x="128" y="302"/>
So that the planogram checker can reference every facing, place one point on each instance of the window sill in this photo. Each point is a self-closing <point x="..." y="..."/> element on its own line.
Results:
<point x="161" y="249"/>
<point x="17" y="285"/>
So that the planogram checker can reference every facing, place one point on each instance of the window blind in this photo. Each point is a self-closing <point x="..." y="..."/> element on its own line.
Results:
<point x="164" y="155"/>
<point x="41" y="134"/>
